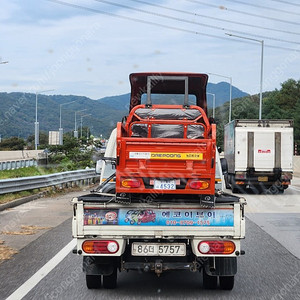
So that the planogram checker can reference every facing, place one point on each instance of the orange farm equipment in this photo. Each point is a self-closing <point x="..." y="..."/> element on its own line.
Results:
<point x="167" y="149"/>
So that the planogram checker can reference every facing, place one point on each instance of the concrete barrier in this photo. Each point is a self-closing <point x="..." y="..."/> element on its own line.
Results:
<point x="17" y="164"/>
<point x="296" y="163"/>
<point x="19" y="155"/>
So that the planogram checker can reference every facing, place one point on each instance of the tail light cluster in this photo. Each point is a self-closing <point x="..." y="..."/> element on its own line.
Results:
<point x="198" y="184"/>
<point x="240" y="175"/>
<point x="131" y="183"/>
<point x="100" y="247"/>
<point x="195" y="184"/>
<point x="216" y="247"/>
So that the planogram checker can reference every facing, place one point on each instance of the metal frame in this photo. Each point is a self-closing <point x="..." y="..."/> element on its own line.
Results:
<point x="175" y="78"/>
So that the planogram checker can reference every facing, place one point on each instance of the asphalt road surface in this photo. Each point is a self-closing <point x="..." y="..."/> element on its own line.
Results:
<point x="269" y="270"/>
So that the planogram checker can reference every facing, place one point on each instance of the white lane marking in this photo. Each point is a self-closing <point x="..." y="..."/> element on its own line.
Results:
<point x="27" y="286"/>
<point x="295" y="189"/>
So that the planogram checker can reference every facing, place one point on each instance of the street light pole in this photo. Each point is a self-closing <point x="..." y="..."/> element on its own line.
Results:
<point x="2" y="62"/>
<point x="230" y="90"/>
<point x="61" y="131"/>
<point x="81" y="123"/>
<point x="214" y="103"/>
<point x="261" y="78"/>
<point x="261" y="67"/>
<point x="36" y="123"/>
<point x="75" y="129"/>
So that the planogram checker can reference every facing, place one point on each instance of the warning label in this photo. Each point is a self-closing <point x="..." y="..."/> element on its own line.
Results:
<point x="166" y="155"/>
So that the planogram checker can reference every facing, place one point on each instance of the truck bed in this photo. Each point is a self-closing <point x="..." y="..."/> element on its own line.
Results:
<point x="124" y="222"/>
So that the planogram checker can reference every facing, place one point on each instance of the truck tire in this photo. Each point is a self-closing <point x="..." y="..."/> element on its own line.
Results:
<point x="224" y="165"/>
<point x="209" y="282"/>
<point x="231" y="183"/>
<point x="93" y="281"/>
<point x="226" y="282"/>
<point x="110" y="281"/>
<point x="227" y="185"/>
<point x="234" y="189"/>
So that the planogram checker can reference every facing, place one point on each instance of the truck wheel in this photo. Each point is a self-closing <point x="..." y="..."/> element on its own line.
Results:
<point x="227" y="185"/>
<point x="209" y="282"/>
<point x="234" y="189"/>
<point x="226" y="282"/>
<point x="93" y="281"/>
<point x="110" y="281"/>
<point x="224" y="165"/>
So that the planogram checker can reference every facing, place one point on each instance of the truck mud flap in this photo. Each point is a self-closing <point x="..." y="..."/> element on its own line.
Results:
<point x="221" y="266"/>
<point x="99" y="266"/>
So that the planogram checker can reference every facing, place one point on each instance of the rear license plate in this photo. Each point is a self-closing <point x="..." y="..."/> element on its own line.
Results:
<point x="158" y="249"/>
<point x="263" y="178"/>
<point x="164" y="184"/>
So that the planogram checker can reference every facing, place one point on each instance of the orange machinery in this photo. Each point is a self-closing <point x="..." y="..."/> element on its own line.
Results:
<point x="166" y="150"/>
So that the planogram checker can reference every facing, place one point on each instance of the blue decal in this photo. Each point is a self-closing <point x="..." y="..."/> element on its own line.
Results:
<point x="176" y="217"/>
<point x="159" y="217"/>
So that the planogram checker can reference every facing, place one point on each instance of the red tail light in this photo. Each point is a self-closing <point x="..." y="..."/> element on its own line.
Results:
<point x="199" y="184"/>
<point x="216" y="247"/>
<point x="100" y="247"/>
<point x="131" y="183"/>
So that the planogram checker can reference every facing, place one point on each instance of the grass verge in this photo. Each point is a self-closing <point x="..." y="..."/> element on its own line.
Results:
<point x="49" y="191"/>
<point x="26" y="172"/>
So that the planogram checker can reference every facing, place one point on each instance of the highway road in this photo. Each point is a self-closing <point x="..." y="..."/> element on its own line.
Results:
<point x="269" y="270"/>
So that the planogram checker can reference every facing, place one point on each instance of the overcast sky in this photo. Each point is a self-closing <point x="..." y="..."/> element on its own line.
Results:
<point x="87" y="52"/>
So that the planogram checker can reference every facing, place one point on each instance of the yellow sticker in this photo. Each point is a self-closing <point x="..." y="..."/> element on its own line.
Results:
<point x="184" y="156"/>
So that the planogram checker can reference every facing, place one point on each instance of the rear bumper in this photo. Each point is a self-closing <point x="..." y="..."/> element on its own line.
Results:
<point x="251" y="177"/>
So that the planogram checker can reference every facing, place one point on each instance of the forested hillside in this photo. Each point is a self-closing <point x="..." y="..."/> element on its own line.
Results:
<point x="279" y="104"/>
<point x="17" y="113"/>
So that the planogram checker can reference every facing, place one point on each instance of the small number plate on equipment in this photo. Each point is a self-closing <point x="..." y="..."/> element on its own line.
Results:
<point x="262" y="178"/>
<point x="158" y="249"/>
<point x="165" y="184"/>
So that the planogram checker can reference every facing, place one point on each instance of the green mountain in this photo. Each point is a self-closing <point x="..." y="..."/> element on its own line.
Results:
<point x="277" y="104"/>
<point x="17" y="111"/>
<point x="221" y="91"/>
<point x="17" y="114"/>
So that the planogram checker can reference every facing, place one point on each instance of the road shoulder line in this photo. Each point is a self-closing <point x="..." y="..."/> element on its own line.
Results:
<point x="27" y="286"/>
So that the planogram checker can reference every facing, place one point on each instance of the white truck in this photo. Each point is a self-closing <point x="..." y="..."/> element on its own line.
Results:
<point x="153" y="235"/>
<point x="158" y="207"/>
<point x="259" y="155"/>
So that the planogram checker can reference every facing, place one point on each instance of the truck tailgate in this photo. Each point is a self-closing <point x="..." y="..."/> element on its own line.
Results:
<point x="151" y="159"/>
<point x="135" y="220"/>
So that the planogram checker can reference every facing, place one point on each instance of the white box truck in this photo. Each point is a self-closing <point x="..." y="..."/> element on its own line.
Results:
<point x="259" y="154"/>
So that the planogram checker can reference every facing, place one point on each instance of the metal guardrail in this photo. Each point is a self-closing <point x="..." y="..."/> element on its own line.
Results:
<point x="17" y="164"/>
<point x="36" y="182"/>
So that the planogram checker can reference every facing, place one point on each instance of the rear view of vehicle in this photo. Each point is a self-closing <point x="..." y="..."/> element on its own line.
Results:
<point x="157" y="208"/>
<point x="259" y="154"/>
<point x="168" y="149"/>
